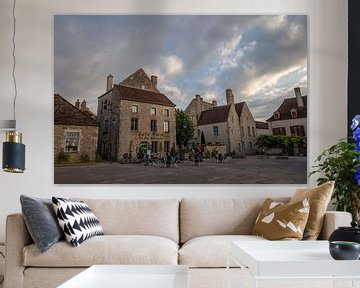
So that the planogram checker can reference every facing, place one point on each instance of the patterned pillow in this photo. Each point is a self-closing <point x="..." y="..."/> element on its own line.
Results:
<point x="319" y="198"/>
<point x="77" y="220"/>
<point x="278" y="221"/>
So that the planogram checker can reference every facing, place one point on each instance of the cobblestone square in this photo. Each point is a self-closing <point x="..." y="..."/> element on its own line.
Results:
<point x="251" y="170"/>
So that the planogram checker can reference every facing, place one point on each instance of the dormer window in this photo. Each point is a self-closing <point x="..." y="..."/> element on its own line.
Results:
<point x="294" y="113"/>
<point x="277" y="115"/>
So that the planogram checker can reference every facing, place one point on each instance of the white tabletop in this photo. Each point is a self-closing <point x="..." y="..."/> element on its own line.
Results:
<point x="291" y="259"/>
<point x="131" y="276"/>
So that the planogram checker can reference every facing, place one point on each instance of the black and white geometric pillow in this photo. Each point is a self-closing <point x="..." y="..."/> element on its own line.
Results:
<point x="77" y="220"/>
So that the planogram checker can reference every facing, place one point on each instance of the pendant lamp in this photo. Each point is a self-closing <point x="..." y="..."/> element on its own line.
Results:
<point x="13" y="149"/>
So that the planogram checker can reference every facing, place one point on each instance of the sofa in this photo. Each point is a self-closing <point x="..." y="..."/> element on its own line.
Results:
<point x="194" y="232"/>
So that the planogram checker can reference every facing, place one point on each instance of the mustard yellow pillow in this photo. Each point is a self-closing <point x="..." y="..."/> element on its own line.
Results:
<point x="319" y="198"/>
<point x="279" y="221"/>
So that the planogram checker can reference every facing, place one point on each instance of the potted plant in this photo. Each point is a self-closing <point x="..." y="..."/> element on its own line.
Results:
<point x="341" y="163"/>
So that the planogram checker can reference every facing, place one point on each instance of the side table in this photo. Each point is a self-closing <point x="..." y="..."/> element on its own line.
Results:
<point x="293" y="263"/>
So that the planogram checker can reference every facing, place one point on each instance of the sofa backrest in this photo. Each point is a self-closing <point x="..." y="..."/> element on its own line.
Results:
<point x="200" y="217"/>
<point x="159" y="217"/>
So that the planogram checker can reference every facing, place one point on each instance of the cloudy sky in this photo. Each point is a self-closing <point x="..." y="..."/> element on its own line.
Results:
<point x="261" y="58"/>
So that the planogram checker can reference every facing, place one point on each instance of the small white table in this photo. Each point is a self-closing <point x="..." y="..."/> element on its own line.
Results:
<point x="293" y="260"/>
<point x="131" y="276"/>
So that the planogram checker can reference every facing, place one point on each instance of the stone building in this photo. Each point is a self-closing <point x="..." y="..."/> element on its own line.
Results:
<point x="75" y="131"/>
<point x="291" y="116"/>
<point x="232" y="124"/>
<point x="262" y="128"/>
<point x="134" y="115"/>
<point x="247" y="128"/>
<point x="196" y="106"/>
<point x="82" y="106"/>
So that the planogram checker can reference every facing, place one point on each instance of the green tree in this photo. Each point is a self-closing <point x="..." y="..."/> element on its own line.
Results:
<point x="267" y="141"/>
<point x="184" y="128"/>
<point x="203" y="142"/>
<point x="272" y="141"/>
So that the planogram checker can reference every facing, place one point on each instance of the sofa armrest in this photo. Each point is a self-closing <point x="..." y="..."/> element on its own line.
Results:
<point x="333" y="220"/>
<point x="17" y="237"/>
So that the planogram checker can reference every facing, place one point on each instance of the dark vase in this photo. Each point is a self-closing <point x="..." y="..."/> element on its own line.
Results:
<point x="344" y="250"/>
<point x="351" y="234"/>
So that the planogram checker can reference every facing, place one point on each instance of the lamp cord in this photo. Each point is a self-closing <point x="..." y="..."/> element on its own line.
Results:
<point x="14" y="60"/>
<point x="2" y="280"/>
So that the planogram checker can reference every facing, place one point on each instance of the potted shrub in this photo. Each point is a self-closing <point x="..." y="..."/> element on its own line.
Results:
<point x="341" y="163"/>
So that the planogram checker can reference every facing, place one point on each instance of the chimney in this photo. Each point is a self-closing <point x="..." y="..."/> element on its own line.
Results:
<point x="214" y="103"/>
<point x="229" y="97"/>
<point x="299" y="99"/>
<point x="109" y="82"/>
<point x="83" y="106"/>
<point x="198" y="97"/>
<point x="77" y="104"/>
<point x="154" y="80"/>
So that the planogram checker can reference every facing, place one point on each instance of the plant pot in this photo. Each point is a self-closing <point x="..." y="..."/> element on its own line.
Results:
<point x="343" y="250"/>
<point x="351" y="233"/>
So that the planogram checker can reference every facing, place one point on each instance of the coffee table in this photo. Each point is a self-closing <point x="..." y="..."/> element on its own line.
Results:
<point x="293" y="260"/>
<point x="131" y="276"/>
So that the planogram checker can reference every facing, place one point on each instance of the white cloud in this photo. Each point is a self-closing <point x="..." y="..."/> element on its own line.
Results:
<point x="174" y="93"/>
<point x="276" y="92"/>
<point x="209" y="80"/>
<point x="166" y="68"/>
<point x="229" y="52"/>
<point x="210" y="96"/>
<point x="172" y="65"/>
<point x="275" y="23"/>
<point x="293" y="31"/>
<point x="302" y="81"/>
<point x="267" y="81"/>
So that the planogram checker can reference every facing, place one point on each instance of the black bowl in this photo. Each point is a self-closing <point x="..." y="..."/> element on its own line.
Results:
<point x="344" y="250"/>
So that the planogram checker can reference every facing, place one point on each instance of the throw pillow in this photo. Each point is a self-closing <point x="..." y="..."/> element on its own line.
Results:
<point x="77" y="220"/>
<point x="279" y="221"/>
<point x="41" y="222"/>
<point x="319" y="198"/>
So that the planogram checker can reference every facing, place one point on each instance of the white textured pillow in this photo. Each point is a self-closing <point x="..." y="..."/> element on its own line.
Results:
<point x="77" y="220"/>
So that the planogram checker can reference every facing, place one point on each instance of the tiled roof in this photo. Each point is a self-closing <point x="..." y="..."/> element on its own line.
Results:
<point x="218" y="114"/>
<point x="239" y="107"/>
<point x="286" y="106"/>
<point x="67" y="114"/>
<point x="142" y="95"/>
<point x="261" y="125"/>
<point x="139" y="79"/>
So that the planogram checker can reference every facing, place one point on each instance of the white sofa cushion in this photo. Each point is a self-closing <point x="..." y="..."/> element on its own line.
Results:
<point x="211" y="251"/>
<point x="201" y="217"/>
<point x="107" y="249"/>
<point x="159" y="217"/>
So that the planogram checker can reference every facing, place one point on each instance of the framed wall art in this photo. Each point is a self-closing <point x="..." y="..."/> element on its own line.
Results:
<point x="180" y="99"/>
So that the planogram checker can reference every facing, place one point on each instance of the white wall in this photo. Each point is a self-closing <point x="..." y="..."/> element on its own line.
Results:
<point x="327" y="90"/>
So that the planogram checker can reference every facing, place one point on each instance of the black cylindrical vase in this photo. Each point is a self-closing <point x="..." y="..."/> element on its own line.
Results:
<point x="13" y="153"/>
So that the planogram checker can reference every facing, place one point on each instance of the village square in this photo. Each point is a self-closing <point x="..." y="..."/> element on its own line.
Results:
<point x="138" y="131"/>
